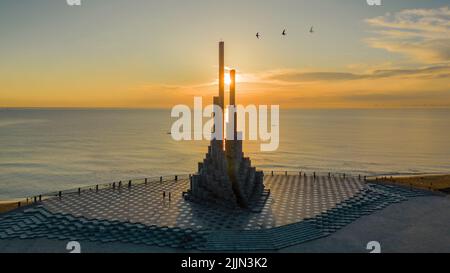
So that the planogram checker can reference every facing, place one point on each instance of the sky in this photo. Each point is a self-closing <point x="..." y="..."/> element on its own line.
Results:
<point x="156" y="54"/>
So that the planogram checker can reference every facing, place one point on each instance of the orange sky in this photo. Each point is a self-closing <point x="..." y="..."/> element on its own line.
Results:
<point x="359" y="57"/>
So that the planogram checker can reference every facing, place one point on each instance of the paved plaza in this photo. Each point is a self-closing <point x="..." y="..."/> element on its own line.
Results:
<point x="299" y="209"/>
<point x="291" y="199"/>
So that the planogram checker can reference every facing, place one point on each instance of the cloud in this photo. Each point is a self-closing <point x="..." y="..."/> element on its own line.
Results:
<point x="379" y="86"/>
<point x="426" y="86"/>
<point x="423" y="34"/>
<point x="430" y="72"/>
<point x="315" y="76"/>
<point x="399" y="97"/>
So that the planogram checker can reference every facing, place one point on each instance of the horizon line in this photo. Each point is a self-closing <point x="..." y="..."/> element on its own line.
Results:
<point x="169" y="108"/>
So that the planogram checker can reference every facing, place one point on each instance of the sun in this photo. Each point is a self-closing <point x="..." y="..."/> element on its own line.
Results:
<point x="227" y="79"/>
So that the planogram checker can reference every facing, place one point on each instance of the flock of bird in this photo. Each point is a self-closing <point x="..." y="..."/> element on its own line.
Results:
<point x="284" y="33"/>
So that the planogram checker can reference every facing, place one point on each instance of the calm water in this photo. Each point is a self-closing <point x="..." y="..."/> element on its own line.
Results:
<point x="47" y="150"/>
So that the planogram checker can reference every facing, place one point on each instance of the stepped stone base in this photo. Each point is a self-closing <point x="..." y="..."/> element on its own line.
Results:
<point x="226" y="178"/>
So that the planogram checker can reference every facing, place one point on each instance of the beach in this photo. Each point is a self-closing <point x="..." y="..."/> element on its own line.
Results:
<point x="6" y="206"/>
<point x="426" y="182"/>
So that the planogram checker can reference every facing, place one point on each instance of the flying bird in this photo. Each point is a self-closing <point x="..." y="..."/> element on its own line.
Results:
<point x="284" y="33"/>
<point x="257" y="35"/>
<point x="311" y="30"/>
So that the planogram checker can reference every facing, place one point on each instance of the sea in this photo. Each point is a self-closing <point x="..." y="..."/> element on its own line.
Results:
<point x="45" y="150"/>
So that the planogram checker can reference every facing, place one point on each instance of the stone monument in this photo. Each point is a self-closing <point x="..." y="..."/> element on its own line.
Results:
<point x="226" y="177"/>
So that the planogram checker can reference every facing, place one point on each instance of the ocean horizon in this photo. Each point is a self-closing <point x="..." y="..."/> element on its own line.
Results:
<point x="48" y="149"/>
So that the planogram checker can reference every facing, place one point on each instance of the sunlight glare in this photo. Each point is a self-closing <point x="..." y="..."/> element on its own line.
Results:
<point x="227" y="79"/>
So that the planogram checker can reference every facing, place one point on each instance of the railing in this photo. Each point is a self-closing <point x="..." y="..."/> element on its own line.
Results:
<point x="139" y="181"/>
<point x="95" y="188"/>
<point x="317" y="174"/>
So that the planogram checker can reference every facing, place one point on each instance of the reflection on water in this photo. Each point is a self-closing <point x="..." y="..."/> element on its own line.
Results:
<point x="43" y="150"/>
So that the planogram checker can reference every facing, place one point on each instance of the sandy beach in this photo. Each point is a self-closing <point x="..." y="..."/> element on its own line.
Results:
<point x="427" y="182"/>
<point x="9" y="205"/>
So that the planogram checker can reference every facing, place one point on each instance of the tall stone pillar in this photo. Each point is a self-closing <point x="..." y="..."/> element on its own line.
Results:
<point x="222" y="82"/>
<point x="233" y="115"/>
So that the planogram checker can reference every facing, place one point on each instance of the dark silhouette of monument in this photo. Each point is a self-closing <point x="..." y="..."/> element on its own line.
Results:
<point x="226" y="177"/>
